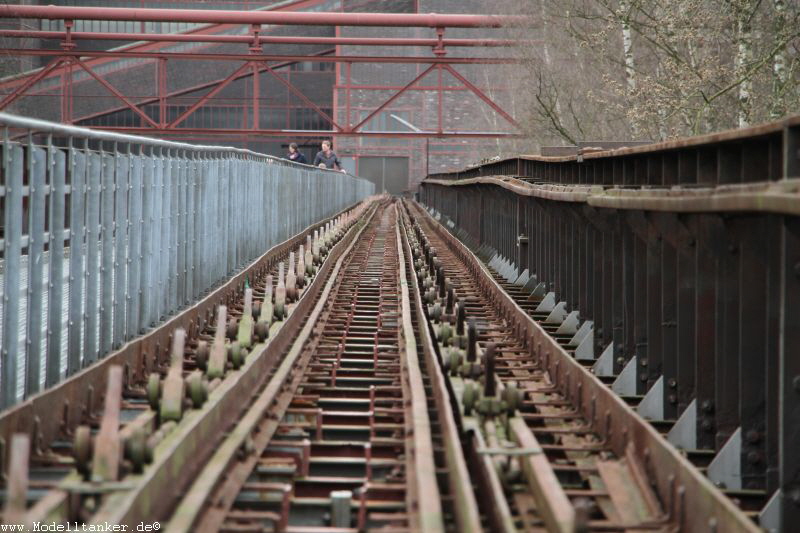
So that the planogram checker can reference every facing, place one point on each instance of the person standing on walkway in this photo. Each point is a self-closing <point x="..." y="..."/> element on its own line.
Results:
<point x="328" y="157"/>
<point x="295" y="155"/>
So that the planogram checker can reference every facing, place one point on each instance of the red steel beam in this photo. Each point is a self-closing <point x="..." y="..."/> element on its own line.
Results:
<point x="19" y="91"/>
<point x="259" y="57"/>
<point x="246" y="39"/>
<point x="202" y="30"/>
<point x="427" y="20"/>
<point x="163" y="95"/>
<point x="294" y="90"/>
<point x="115" y="92"/>
<point x="210" y="94"/>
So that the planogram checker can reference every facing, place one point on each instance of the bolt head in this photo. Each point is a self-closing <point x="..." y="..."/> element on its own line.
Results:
<point x="753" y="436"/>
<point x="753" y="457"/>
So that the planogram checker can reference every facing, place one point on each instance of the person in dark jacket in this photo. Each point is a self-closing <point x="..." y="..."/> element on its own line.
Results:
<point x="328" y="157"/>
<point x="295" y="155"/>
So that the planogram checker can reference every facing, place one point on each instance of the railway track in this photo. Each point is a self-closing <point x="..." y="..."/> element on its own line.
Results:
<point x="551" y="447"/>
<point x="397" y="387"/>
<point x="101" y="465"/>
<point x="342" y="439"/>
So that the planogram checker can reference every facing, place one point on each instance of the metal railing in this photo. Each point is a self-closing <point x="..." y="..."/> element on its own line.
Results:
<point x="682" y="261"/>
<point x="107" y="234"/>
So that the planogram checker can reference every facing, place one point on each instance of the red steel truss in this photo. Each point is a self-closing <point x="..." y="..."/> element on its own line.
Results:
<point x="250" y="64"/>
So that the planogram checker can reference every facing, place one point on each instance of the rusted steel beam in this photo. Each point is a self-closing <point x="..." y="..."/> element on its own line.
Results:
<point x="768" y="197"/>
<point x="424" y="496"/>
<point x="467" y="516"/>
<point x="767" y="152"/>
<point x="691" y="501"/>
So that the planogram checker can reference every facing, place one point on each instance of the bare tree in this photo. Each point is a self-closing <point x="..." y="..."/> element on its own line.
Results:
<point x="657" y="69"/>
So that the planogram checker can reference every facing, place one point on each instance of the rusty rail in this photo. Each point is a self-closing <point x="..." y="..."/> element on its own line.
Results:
<point x="683" y="498"/>
<point x="174" y="435"/>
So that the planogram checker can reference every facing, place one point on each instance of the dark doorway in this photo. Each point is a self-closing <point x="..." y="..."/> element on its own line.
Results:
<point x="389" y="174"/>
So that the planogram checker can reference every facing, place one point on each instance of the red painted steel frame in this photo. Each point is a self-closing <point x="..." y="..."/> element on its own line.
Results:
<point x="429" y="20"/>
<point x="252" y="62"/>
<point x="438" y="63"/>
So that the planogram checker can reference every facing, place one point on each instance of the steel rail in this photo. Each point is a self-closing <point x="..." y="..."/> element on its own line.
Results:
<point x="691" y="500"/>
<point x="57" y="411"/>
<point x="467" y="516"/>
<point x="182" y="450"/>
<point x="221" y="476"/>
<point x="552" y="507"/>
<point x="9" y="120"/>
<point x="425" y="497"/>
<point x="59" y="505"/>
<point x="229" y="469"/>
<point x="429" y="20"/>
<point x="312" y="133"/>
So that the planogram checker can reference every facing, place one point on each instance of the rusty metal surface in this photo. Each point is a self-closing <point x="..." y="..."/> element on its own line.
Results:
<point x="691" y="502"/>
<point x="185" y="449"/>
<point x="768" y="152"/>
<point x="77" y="402"/>
<point x="782" y="197"/>
<point x="467" y="517"/>
<point x="227" y="470"/>
<point x="358" y="331"/>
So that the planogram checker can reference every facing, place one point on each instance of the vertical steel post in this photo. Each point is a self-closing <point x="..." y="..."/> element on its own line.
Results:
<point x="13" y="160"/>
<point x="120" y="256"/>
<point x="37" y="207"/>
<point x="135" y="258"/>
<point x="56" y="168"/>
<point x="149" y="243"/>
<point x="76" y="171"/>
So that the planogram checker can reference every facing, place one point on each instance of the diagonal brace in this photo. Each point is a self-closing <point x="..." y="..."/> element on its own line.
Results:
<point x="294" y="90"/>
<point x="197" y="105"/>
<point x="115" y="92"/>
<point x="19" y="91"/>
